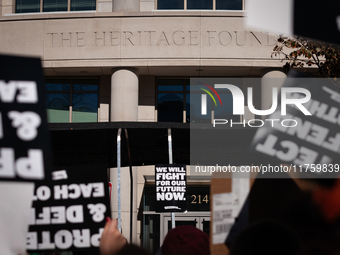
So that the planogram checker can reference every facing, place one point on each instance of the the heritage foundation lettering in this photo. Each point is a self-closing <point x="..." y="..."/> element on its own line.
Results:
<point x="147" y="38"/>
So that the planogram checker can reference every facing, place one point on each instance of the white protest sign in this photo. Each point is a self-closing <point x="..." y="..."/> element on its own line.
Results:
<point x="16" y="200"/>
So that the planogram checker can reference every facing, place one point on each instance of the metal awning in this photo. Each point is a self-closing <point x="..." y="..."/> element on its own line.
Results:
<point x="91" y="143"/>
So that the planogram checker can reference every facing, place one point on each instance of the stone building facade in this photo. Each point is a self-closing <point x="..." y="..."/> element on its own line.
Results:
<point x="127" y="49"/>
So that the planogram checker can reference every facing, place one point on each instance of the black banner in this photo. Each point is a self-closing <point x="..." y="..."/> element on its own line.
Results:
<point x="170" y="188"/>
<point x="24" y="138"/>
<point x="317" y="20"/>
<point x="70" y="213"/>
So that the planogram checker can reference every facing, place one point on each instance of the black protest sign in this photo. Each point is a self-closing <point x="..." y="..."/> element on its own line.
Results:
<point x="24" y="138"/>
<point x="317" y="20"/>
<point x="70" y="213"/>
<point x="309" y="144"/>
<point x="170" y="188"/>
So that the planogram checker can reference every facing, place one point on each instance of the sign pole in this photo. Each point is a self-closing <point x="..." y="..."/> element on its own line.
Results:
<point x="173" y="225"/>
<point x="118" y="186"/>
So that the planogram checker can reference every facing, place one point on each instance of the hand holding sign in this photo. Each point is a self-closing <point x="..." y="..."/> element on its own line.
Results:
<point x="112" y="241"/>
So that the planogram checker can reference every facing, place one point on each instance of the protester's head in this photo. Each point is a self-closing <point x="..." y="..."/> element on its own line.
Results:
<point x="132" y="249"/>
<point x="266" y="237"/>
<point x="186" y="240"/>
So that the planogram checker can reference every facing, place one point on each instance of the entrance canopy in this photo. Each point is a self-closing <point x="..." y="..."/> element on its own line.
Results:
<point x="87" y="143"/>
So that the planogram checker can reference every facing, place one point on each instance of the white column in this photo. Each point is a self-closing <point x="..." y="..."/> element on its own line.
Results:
<point x="269" y="80"/>
<point x="124" y="107"/>
<point x="124" y="95"/>
<point x="126" y="5"/>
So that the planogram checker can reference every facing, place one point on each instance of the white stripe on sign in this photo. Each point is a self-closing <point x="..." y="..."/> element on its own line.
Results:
<point x="270" y="16"/>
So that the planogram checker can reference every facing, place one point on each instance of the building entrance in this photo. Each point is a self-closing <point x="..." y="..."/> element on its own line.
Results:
<point x="199" y="221"/>
<point x="155" y="225"/>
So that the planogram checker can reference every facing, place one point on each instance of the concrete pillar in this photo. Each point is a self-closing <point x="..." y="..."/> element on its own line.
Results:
<point x="124" y="107"/>
<point x="6" y="7"/>
<point x="269" y="80"/>
<point x="124" y="95"/>
<point x="126" y="5"/>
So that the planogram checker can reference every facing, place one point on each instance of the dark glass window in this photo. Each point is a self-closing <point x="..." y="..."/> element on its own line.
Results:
<point x="228" y="4"/>
<point x="84" y="107"/>
<point x="200" y="4"/>
<point x="24" y="6"/>
<point x="193" y="112"/>
<point x="171" y="100"/>
<point x="226" y="110"/>
<point x="58" y="107"/>
<point x="170" y="107"/>
<point x="174" y="96"/>
<point x="151" y="235"/>
<point x="219" y="104"/>
<point x="72" y="99"/>
<point x="58" y="85"/>
<point x="170" y="4"/>
<point x="83" y="5"/>
<point x="55" y="5"/>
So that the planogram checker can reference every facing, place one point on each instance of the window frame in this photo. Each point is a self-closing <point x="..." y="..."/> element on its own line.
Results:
<point x="185" y="92"/>
<point x="185" y="7"/>
<point x="71" y="92"/>
<point x="42" y="8"/>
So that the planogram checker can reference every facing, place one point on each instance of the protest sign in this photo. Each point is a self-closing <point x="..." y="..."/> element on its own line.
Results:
<point x="308" y="142"/>
<point x="16" y="200"/>
<point x="170" y="188"/>
<point x="24" y="139"/>
<point x="296" y="17"/>
<point x="69" y="214"/>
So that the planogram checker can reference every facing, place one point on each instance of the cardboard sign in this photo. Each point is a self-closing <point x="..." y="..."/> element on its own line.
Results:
<point x="223" y="208"/>
<point x="24" y="138"/>
<point x="308" y="144"/>
<point x="70" y="213"/>
<point x="295" y="17"/>
<point x="170" y="186"/>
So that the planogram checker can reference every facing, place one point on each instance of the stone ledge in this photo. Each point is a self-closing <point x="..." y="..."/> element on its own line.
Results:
<point x="94" y="14"/>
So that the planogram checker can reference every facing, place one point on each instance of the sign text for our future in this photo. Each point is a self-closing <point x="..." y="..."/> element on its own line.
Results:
<point x="69" y="214"/>
<point x="170" y="188"/>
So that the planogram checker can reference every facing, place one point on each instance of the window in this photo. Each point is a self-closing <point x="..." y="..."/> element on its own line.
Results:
<point x="219" y="105"/>
<point x="26" y="6"/>
<point x="171" y="99"/>
<point x="72" y="100"/>
<point x="200" y="4"/>
<point x="177" y="101"/>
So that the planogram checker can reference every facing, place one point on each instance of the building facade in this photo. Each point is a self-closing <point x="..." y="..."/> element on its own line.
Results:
<point x="132" y="60"/>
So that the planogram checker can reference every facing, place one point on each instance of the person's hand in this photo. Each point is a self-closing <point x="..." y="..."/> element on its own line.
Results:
<point x="112" y="240"/>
